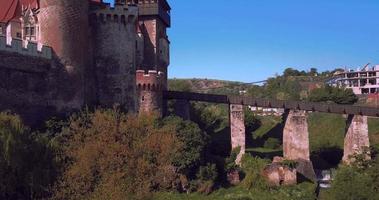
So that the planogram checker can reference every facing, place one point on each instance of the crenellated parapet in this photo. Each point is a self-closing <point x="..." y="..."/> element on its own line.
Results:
<point x="120" y="13"/>
<point x="151" y="80"/>
<point x="29" y="49"/>
<point x="150" y="85"/>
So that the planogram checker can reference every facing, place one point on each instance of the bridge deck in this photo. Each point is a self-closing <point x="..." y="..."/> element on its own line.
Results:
<point x="270" y="103"/>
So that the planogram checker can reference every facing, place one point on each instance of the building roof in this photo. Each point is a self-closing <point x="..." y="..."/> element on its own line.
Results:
<point x="11" y="9"/>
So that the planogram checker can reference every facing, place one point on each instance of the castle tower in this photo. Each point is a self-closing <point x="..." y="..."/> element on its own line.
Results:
<point x="154" y="19"/>
<point x="149" y="88"/>
<point x="64" y="27"/>
<point x="114" y="37"/>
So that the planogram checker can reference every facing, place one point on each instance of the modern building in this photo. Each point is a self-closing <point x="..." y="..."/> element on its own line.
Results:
<point x="363" y="81"/>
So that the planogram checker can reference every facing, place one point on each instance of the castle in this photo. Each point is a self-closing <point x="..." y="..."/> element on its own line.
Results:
<point x="57" y="56"/>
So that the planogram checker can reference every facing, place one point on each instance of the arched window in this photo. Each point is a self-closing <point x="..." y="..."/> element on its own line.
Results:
<point x="30" y="28"/>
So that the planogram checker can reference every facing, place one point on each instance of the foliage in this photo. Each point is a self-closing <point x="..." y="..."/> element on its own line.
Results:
<point x="207" y="173"/>
<point x="111" y="156"/>
<point x="290" y="164"/>
<point x="326" y="131"/>
<point x="282" y="88"/>
<point x="272" y="143"/>
<point x="252" y="167"/>
<point x="211" y="118"/>
<point x="206" y="178"/>
<point x="304" y="191"/>
<point x="179" y="85"/>
<point x="230" y="162"/>
<point x="352" y="183"/>
<point x="333" y="94"/>
<point x="193" y="140"/>
<point x="252" y="123"/>
<point x="27" y="166"/>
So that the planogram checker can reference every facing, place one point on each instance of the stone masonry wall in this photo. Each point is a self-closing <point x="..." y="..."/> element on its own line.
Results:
<point x="237" y="128"/>
<point x="64" y="27"/>
<point x="149" y="87"/>
<point x="296" y="136"/>
<point x="296" y="143"/>
<point x="357" y="137"/>
<point x="114" y="39"/>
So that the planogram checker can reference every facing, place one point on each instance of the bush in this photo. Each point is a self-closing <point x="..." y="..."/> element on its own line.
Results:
<point x="253" y="167"/>
<point x="110" y="155"/>
<point x="333" y="94"/>
<point x="27" y="164"/>
<point x="193" y="142"/>
<point x="358" y="181"/>
<point x="272" y="143"/>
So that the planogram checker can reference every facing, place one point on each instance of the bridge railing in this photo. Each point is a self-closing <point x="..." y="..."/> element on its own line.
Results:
<point x="272" y="103"/>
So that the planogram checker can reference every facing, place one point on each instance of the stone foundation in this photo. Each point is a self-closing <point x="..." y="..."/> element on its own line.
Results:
<point x="296" y="143"/>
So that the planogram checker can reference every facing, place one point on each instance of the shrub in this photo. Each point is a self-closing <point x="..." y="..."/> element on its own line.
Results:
<point x="272" y="143"/>
<point x="27" y="164"/>
<point x="253" y="167"/>
<point x="110" y="155"/>
<point x="333" y="94"/>
<point x="193" y="142"/>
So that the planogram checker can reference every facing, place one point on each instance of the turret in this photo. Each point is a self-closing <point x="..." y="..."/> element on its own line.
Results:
<point x="64" y="27"/>
<point x="149" y="87"/>
<point x="114" y="38"/>
<point x="154" y="19"/>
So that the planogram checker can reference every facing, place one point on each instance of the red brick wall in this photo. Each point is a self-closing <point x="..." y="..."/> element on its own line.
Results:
<point x="64" y="27"/>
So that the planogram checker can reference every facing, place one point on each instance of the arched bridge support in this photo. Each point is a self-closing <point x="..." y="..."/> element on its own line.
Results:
<point x="237" y="129"/>
<point x="296" y="142"/>
<point x="357" y="138"/>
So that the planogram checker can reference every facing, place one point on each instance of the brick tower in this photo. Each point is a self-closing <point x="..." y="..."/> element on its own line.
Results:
<point x="114" y="36"/>
<point x="149" y="88"/>
<point x="64" y="27"/>
<point x="154" y="19"/>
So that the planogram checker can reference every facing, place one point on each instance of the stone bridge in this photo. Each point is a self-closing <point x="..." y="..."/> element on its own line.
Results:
<point x="295" y="134"/>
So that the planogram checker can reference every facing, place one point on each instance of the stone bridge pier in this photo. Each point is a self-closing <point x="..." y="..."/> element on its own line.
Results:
<point x="237" y="129"/>
<point x="357" y="138"/>
<point x="296" y="142"/>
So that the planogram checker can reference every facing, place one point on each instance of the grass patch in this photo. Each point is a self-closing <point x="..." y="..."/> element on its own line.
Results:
<point x="304" y="191"/>
<point x="373" y="130"/>
<point x="326" y="131"/>
<point x="267" y="124"/>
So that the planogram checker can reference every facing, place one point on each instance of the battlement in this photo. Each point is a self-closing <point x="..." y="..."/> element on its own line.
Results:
<point x="155" y="8"/>
<point x="29" y="48"/>
<point x="149" y="80"/>
<point x="119" y="13"/>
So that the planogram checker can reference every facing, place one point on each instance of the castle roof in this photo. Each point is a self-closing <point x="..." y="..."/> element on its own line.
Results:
<point x="10" y="9"/>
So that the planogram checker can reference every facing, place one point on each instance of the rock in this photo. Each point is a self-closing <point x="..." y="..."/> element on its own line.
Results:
<point x="276" y="175"/>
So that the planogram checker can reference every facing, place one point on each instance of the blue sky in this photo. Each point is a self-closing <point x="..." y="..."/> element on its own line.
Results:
<point x="250" y="40"/>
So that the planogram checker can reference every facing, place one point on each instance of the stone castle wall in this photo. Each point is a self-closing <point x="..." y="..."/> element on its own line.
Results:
<point x="64" y="27"/>
<point x="149" y="87"/>
<point x="114" y="39"/>
<point x="91" y="56"/>
<point x="31" y="49"/>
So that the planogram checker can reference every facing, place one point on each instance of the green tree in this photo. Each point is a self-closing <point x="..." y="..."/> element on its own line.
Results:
<point x="191" y="154"/>
<point x="180" y="85"/>
<point x="111" y="155"/>
<point x="27" y="161"/>
<point x="333" y="94"/>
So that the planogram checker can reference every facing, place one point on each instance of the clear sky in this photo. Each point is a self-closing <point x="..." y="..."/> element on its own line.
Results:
<point x="250" y="40"/>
